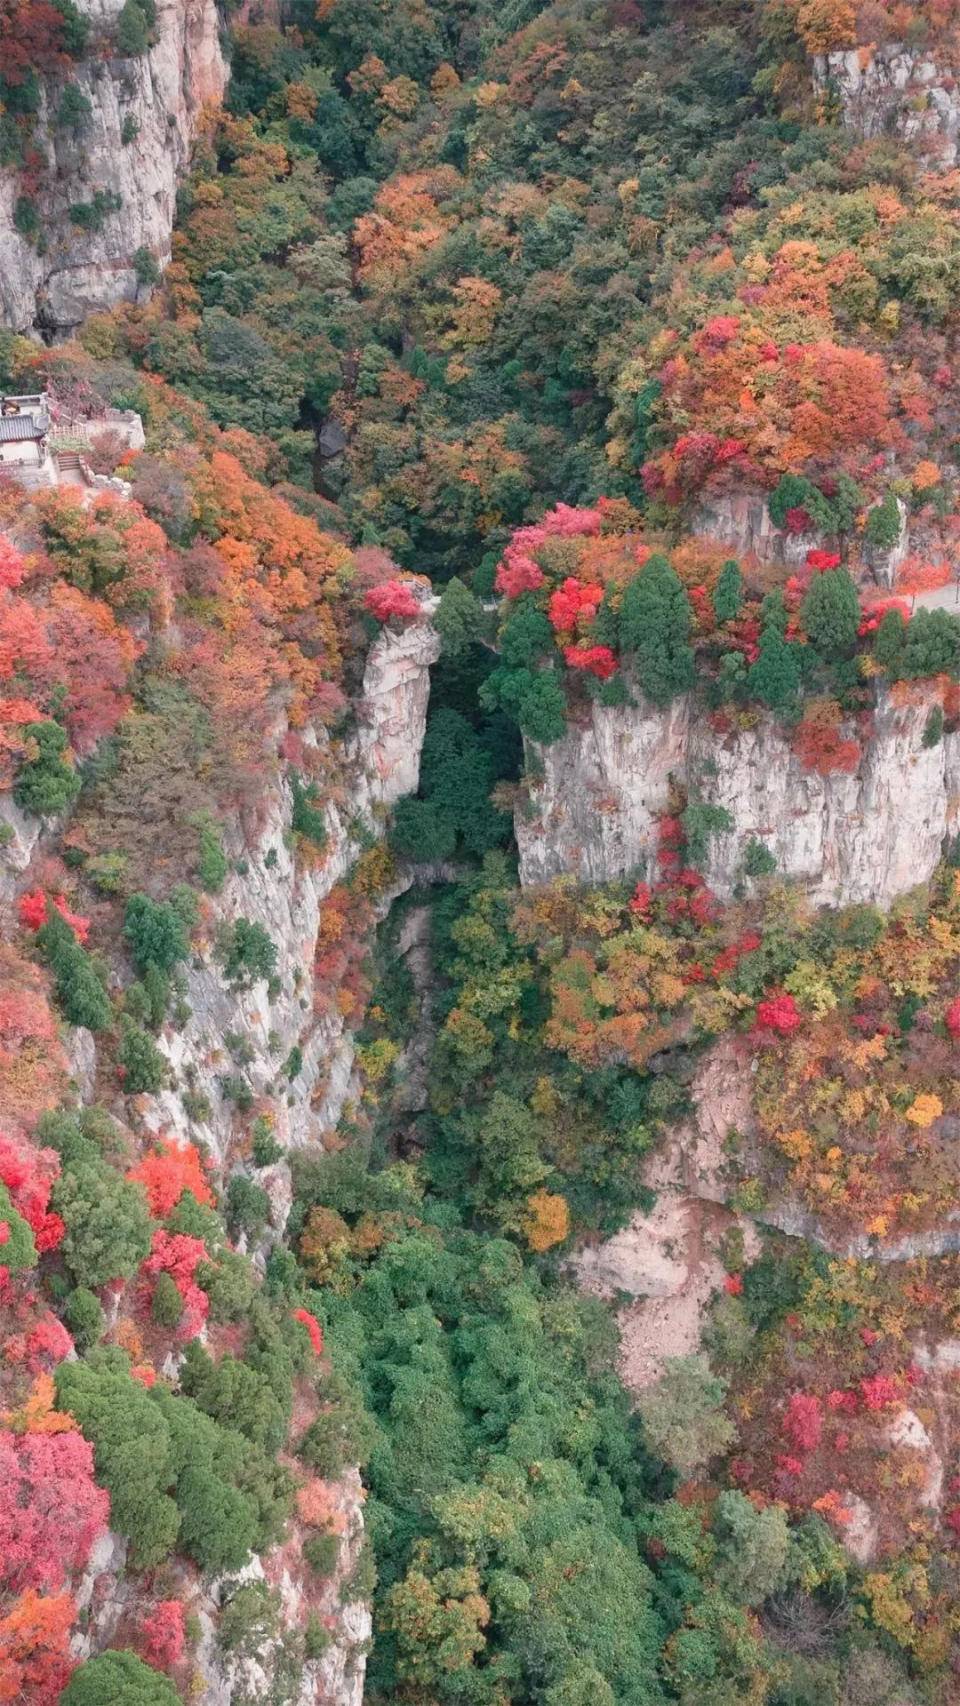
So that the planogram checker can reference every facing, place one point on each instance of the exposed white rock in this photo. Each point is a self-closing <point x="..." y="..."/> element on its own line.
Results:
<point x="380" y="765"/>
<point x="906" y="1432"/>
<point x="80" y="1048"/>
<point x="595" y="795"/>
<point x="667" y="1263"/>
<point x="335" y="1679"/>
<point x="20" y="834"/>
<point x="860" y="1536"/>
<point x="108" y="1556"/>
<point x="741" y="521"/>
<point x="163" y="94"/>
<point x="649" y="1258"/>
<point x="894" y="89"/>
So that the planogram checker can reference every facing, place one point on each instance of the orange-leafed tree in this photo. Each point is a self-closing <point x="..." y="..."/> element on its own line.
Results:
<point x="35" y="1661"/>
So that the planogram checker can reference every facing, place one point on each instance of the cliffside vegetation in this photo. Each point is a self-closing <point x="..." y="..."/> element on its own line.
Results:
<point x="604" y="323"/>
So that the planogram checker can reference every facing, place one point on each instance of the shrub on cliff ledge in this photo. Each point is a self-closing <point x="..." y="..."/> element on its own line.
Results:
<point x="134" y="26"/>
<point x="118" y="1679"/>
<point x="246" y="953"/>
<point x="728" y="593"/>
<point x="107" y="1220"/>
<point x="155" y="933"/>
<point x="395" y="599"/>
<point x="46" y="783"/>
<point x="77" y="982"/>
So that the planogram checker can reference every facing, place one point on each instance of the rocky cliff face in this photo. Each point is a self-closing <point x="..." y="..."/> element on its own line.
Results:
<point x="374" y="766"/>
<point x="893" y="89"/>
<point x="595" y="795"/>
<point x="107" y="1596"/>
<point x="380" y="763"/>
<point x="144" y="116"/>
<point x="741" y="522"/>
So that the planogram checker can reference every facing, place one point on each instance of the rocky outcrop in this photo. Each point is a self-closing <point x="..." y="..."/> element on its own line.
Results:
<point x="379" y="764"/>
<point x="109" y="1599"/>
<point x="723" y="1122"/>
<point x="594" y="797"/>
<point x="892" y="88"/>
<point x="665" y="1267"/>
<point x="135" y="146"/>
<point x="741" y="522"/>
<point x="20" y="835"/>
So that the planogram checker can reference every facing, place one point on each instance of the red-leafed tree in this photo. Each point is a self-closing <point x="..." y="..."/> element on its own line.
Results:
<point x="32" y="38"/>
<point x="176" y="1254"/>
<point x="92" y="658"/>
<point x="313" y="1328"/>
<point x="803" y="1422"/>
<point x="778" y="1013"/>
<point x="162" y="1634"/>
<point x="51" y="1509"/>
<point x="393" y="598"/>
<point x="591" y="660"/>
<point x="12" y="566"/>
<point x="167" y="1172"/>
<point x="28" y="1174"/>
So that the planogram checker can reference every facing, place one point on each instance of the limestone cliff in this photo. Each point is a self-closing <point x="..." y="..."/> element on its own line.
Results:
<point x="134" y="145"/>
<point x="741" y="522"/>
<point x="595" y="795"/>
<point x="372" y="767"/>
<point x="379" y="764"/>
<point x="891" y="88"/>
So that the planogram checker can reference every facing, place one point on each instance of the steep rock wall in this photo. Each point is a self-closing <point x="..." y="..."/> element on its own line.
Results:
<point x="595" y="795"/>
<point x="741" y="521"/>
<point x="163" y="94"/>
<point x="108" y="1597"/>
<point x="891" y="88"/>
<point x="380" y="763"/>
<point x="377" y="764"/>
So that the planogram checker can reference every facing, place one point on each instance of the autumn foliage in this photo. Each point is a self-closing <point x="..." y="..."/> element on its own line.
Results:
<point x="169" y="1170"/>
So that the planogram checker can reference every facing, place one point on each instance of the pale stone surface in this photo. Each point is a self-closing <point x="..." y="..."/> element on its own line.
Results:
<point x="893" y="89"/>
<point x="741" y="521"/>
<point x="667" y="1262"/>
<point x="599" y="791"/>
<point x="380" y="765"/>
<point x="334" y="1680"/>
<point x="20" y="834"/>
<point x="862" y="1533"/>
<point x="649" y="1258"/>
<point x="164" y="93"/>
<point x="906" y="1432"/>
<point x="595" y="796"/>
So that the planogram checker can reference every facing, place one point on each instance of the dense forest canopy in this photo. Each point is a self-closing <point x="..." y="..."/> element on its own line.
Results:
<point x="605" y="334"/>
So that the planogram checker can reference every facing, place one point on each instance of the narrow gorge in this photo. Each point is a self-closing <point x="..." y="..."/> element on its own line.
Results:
<point x="479" y="853"/>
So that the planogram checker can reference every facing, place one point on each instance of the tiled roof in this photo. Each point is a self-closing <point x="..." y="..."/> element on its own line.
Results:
<point x="15" y="428"/>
